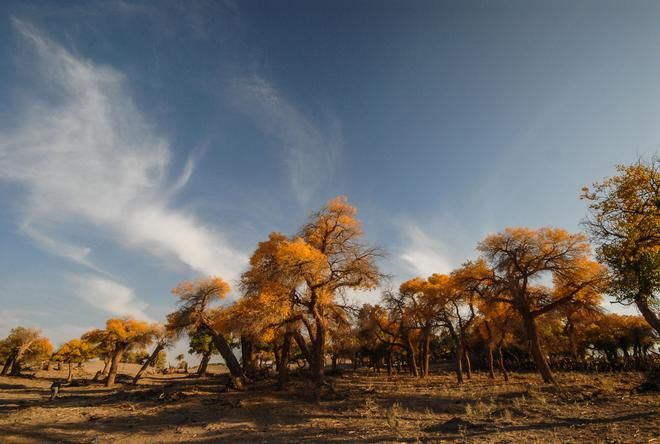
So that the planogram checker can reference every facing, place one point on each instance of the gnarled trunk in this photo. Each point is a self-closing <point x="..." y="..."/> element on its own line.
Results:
<point x="318" y="353"/>
<point x="500" y="362"/>
<point x="468" y="363"/>
<point x="9" y="363"/>
<point x="535" y="345"/>
<point x="283" y="368"/>
<point x="491" y="367"/>
<point x="204" y="364"/>
<point x="247" y="357"/>
<point x="224" y="349"/>
<point x="302" y="345"/>
<point x="114" y="366"/>
<point x="148" y="362"/>
<point x="644" y="308"/>
<point x="427" y="354"/>
<point x="412" y="359"/>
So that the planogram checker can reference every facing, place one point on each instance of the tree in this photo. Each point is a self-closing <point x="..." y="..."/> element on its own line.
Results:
<point x="120" y="336"/>
<point x="201" y="343"/>
<point x="327" y="258"/>
<point x="381" y="330"/>
<point x="103" y="347"/>
<point x="183" y="364"/>
<point x="518" y="259"/>
<point x="455" y="310"/>
<point x="304" y="276"/>
<point x="74" y="351"/>
<point x="23" y="345"/>
<point x="194" y="312"/>
<point x="496" y="329"/>
<point x="624" y="224"/>
<point x="269" y="309"/>
<point x="164" y="338"/>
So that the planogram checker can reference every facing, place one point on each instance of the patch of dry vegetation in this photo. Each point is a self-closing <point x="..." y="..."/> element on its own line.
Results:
<point x="363" y="407"/>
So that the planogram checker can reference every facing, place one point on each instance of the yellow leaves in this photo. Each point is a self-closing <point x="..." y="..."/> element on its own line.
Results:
<point x="211" y="286"/>
<point x="585" y="279"/>
<point x="128" y="331"/>
<point x="75" y="350"/>
<point x="333" y="226"/>
<point x="303" y="261"/>
<point x="41" y="347"/>
<point x="413" y="286"/>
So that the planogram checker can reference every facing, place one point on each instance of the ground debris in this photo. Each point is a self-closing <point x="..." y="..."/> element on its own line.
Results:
<point x="458" y="425"/>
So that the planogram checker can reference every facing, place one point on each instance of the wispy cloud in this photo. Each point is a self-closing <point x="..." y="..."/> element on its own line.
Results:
<point x="423" y="255"/>
<point x="312" y="150"/>
<point x="85" y="153"/>
<point x="108" y="295"/>
<point x="80" y="255"/>
<point x="439" y="245"/>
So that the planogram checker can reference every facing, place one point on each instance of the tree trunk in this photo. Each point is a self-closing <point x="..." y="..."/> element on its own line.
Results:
<point x="69" y="378"/>
<point x="9" y="363"/>
<point x="302" y="345"/>
<point x="106" y="365"/>
<point x="491" y="367"/>
<point x="16" y="368"/>
<point x="500" y="361"/>
<point x="412" y="359"/>
<point x="537" y="351"/>
<point x="427" y="353"/>
<point x="148" y="362"/>
<point x="114" y="366"/>
<point x="468" y="363"/>
<point x="651" y="317"/>
<point x="224" y="349"/>
<point x="318" y="353"/>
<point x="334" y="363"/>
<point x="389" y="362"/>
<point x="283" y="369"/>
<point x="204" y="364"/>
<point x="247" y="357"/>
<point x="459" y="361"/>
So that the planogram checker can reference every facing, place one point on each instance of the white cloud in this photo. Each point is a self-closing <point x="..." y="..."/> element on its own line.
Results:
<point x="87" y="154"/>
<point x="60" y="248"/>
<point x="423" y="255"/>
<point x="108" y="295"/>
<point x="311" y="153"/>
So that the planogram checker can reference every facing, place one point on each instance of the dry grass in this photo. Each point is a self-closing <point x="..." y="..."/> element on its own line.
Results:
<point x="365" y="407"/>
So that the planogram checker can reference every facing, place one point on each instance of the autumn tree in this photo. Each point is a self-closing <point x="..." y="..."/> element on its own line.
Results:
<point x="519" y="259"/>
<point x="103" y="346"/>
<point x="308" y="273"/>
<point x="194" y="312"/>
<point x="496" y="329"/>
<point x="451" y="306"/>
<point x="379" y="330"/>
<point x="74" y="351"/>
<point x="163" y="338"/>
<point x="402" y="324"/>
<point x="120" y="336"/>
<point x="201" y="343"/>
<point x="269" y="309"/>
<point x="624" y="224"/>
<point x="23" y="345"/>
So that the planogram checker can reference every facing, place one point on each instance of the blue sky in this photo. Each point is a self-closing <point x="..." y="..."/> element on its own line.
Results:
<point x="146" y="143"/>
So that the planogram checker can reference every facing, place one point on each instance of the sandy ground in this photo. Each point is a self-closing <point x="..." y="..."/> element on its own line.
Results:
<point x="365" y="407"/>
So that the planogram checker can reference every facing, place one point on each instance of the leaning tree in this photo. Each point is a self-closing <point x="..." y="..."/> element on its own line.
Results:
<point x="624" y="223"/>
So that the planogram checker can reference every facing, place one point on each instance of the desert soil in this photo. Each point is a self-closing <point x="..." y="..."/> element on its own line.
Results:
<point x="364" y="407"/>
